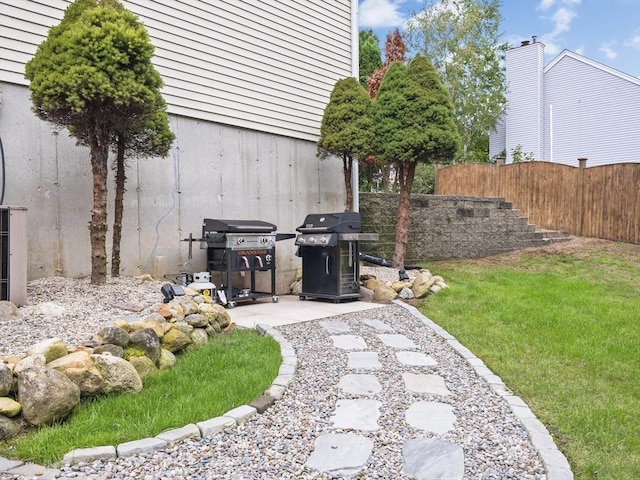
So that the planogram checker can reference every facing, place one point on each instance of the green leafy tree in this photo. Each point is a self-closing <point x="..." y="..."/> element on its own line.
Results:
<point x="461" y="38"/>
<point x="373" y="170"/>
<point x="346" y="129"/>
<point x="93" y="71"/>
<point x="413" y="123"/>
<point x="370" y="55"/>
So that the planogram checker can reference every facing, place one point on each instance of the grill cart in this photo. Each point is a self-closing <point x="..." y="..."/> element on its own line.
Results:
<point x="329" y="245"/>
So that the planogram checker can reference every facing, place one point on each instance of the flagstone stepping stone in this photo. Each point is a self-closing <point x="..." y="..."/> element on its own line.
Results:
<point x="433" y="417"/>
<point x="340" y="454"/>
<point x="416" y="359"/>
<point x="335" y="326"/>
<point x="378" y="325"/>
<point x="432" y="459"/>
<point x="358" y="414"/>
<point x="396" y="340"/>
<point x="420" y="383"/>
<point x="363" y="361"/>
<point x="349" y="342"/>
<point x="359" y="384"/>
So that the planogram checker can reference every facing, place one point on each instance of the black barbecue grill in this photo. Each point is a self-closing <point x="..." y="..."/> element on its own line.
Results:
<point x="241" y="246"/>
<point x="328" y="246"/>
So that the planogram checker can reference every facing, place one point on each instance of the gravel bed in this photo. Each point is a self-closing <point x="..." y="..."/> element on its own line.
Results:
<point x="276" y="444"/>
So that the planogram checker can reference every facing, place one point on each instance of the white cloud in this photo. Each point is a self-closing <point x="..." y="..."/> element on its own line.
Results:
<point x="381" y="13"/>
<point x="562" y="18"/>
<point x="608" y="51"/>
<point x="634" y="41"/>
<point x="545" y="4"/>
<point x="580" y="50"/>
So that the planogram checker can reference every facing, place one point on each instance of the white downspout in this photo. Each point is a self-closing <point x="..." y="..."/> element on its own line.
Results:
<point x="355" y="73"/>
<point x="551" y="133"/>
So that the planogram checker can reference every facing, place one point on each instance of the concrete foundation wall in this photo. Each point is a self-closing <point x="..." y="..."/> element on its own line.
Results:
<point x="446" y="227"/>
<point x="213" y="171"/>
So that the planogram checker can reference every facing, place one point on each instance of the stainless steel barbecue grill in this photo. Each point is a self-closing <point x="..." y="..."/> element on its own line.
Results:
<point x="329" y="245"/>
<point x="240" y="246"/>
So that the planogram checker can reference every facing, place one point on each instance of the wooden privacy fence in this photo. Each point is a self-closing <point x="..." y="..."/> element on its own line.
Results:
<point x="598" y="202"/>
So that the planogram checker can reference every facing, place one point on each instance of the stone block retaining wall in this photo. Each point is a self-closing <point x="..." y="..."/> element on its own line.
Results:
<point x="446" y="226"/>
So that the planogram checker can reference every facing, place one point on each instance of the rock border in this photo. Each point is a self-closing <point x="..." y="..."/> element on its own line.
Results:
<point x="236" y="416"/>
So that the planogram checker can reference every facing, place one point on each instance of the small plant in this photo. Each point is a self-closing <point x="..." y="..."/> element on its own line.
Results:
<point x="519" y="156"/>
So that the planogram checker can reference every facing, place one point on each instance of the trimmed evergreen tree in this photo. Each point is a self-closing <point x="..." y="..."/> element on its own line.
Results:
<point x="413" y="123"/>
<point x="346" y="129"/>
<point x="93" y="75"/>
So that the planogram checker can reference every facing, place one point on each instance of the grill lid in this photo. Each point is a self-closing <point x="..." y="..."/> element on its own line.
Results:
<point x="244" y="226"/>
<point x="343" y="222"/>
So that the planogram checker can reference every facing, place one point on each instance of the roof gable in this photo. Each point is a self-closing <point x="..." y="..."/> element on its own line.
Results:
<point x="592" y="63"/>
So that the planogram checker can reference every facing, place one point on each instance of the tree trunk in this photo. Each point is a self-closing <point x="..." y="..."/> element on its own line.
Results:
<point x="405" y="175"/>
<point x="121" y="179"/>
<point x="347" y="169"/>
<point x="98" y="224"/>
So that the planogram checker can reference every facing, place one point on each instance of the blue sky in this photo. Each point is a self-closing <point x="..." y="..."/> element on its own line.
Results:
<point x="607" y="31"/>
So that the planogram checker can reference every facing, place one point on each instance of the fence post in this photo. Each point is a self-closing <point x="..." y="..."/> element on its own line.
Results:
<point x="582" y="163"/>
<point x="435" y="178"/>
<point x="498" y="187"/>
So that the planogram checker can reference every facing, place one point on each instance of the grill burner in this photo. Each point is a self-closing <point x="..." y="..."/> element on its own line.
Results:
<point x="328" y="245"/>
<point x="241" y="246"/>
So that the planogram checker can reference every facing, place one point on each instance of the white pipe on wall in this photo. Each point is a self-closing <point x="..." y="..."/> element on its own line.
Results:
<point x="355" y="72"/>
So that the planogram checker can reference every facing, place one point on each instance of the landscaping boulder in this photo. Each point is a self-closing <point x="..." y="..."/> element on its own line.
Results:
<point x="9" y="427"/>
<point x="6" y="379"/>
<point x="159" y="327"/>
<point x="80" y="369"/>
<point x="144" y="366"/>
<point x="113" y="335"/>
<point x="146" y="340"/>
<point x="372" y="283"/>
<point x="166" y="360"/>
<point x="384" y="294"/>
<point x="51" y="348"/>
<point x="9" y="407"/>
<point x="422" y="284"/>
<point x="28" y="362"/>
<point x="175" y="340"/>
<point x="199" y="336"/>
<point x="222" y="317"/>
<point x="197" y="320"/>
<point x="109" y="348"/>
<point x="118" y="374"/>
<point x="46" y="395"/>
<point x="189" y="307"/>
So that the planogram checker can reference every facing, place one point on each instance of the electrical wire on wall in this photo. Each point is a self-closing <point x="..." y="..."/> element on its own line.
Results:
<point x="174" y="196"/>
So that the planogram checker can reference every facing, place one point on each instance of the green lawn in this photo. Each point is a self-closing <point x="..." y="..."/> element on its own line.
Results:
<point x="563" y="332"/>
<point x="229" y="371"/>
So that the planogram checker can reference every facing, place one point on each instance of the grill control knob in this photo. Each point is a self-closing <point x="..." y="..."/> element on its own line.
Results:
<point x="268" y="257"/>
<point x="312" y="239"/>
<point x="324" y="240"/>
<point x="240" y="241"/>
<point x="264" y="240"/>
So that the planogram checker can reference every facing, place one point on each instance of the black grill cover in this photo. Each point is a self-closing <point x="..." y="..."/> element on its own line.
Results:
<point x="240" y="226"/>
<point x="343" y="222"/>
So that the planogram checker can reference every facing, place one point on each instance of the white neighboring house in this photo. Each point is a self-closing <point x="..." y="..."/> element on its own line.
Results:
<point x="246" y="85"/>
<point x="571" y="108"/>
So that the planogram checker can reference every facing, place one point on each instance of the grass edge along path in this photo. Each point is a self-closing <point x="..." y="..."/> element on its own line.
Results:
<point x="230" y="370"/>
<point x="563" y="334"/>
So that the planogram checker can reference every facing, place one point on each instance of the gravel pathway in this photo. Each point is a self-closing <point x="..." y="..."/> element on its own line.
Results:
<point x="279" y="443"/>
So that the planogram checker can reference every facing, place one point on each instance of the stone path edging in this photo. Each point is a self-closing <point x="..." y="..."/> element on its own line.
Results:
<point x="555" y="463"/>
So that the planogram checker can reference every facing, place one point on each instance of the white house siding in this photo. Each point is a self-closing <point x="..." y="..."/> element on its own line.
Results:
<point x="246" y="85"/>
<point x="498" y="139"/>
<point x="265" y="65"/>
<point x="525" y="102"/>
<point x="596" y="113"/>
